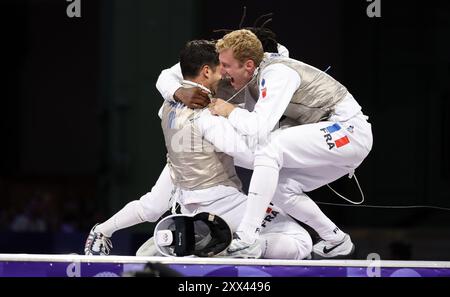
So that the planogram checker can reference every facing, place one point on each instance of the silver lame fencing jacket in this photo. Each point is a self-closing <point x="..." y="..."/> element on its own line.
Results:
<point x="194" y="164"/>
<point x="316" y="96"/>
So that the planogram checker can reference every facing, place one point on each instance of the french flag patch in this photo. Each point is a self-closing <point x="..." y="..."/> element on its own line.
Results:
<point x="263" y="88"/>
<point x="328" y="135"/>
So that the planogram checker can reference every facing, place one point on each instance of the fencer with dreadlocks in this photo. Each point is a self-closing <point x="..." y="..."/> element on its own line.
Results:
<point x="327" y="135"/>
<point x="155" y="203"/>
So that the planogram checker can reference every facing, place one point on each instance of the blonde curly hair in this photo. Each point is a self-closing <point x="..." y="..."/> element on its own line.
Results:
<point x="244" y="44"/>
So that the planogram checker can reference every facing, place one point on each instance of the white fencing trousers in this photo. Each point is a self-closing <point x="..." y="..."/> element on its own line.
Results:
<point x="156" y="202"/>
<point x="281" y="237"/>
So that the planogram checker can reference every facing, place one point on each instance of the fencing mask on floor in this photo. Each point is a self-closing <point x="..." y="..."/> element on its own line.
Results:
<point x="202" y="235"/>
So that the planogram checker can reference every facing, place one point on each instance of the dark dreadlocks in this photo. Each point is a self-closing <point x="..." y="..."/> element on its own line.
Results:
<point x="265" y="35"/>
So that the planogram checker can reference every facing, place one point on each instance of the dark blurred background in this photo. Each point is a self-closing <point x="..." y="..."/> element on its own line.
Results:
<point x="81" y="136"/>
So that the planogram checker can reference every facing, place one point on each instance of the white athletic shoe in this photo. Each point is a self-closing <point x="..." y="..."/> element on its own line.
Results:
<point x="334" y="250"/>
<point x="241" y="249"/>
<point x="97" y="244"/>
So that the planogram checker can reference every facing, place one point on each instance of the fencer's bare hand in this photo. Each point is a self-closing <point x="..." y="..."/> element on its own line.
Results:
<point x="221" y="107"/>
<point x="192" y="97"/>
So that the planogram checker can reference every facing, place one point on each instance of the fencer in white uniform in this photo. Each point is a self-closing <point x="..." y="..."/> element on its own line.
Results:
<point x="324" y="134"/>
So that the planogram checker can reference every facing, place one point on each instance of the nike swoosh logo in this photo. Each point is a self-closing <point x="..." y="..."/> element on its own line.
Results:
<point x="326" y="251"/>
<point x="230" y="251"/>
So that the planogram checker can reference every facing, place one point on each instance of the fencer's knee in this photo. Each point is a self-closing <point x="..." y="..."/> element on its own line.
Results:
<point x="288" y="194"/>
<point x="150" y="209"/>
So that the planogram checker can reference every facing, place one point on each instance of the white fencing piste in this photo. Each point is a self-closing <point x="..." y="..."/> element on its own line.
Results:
<point x="218" y="261"/>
